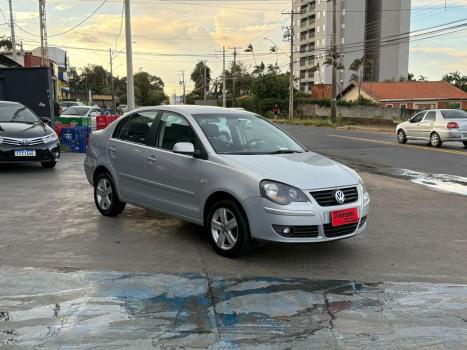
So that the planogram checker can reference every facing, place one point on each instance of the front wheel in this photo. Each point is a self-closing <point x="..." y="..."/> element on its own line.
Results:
<point x="105" y="196"/>
<point x="435" y="140"/>
<point x="228" y="229"/>
<point x="401" y="137"/>
<point x="465" y="143"/>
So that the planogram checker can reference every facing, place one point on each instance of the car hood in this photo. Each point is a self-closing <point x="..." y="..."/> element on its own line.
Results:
<point x="302" y="170"/>
<point x="21" y="130"/>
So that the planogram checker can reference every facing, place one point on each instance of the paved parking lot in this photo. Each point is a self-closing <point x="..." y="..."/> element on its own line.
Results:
<point x="74" y="278"/>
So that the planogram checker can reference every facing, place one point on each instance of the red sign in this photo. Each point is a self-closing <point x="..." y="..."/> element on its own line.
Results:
<point x="344" y="217"/>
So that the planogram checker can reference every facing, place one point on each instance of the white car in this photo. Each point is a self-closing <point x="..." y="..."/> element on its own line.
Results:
<point x="83" y="111"/>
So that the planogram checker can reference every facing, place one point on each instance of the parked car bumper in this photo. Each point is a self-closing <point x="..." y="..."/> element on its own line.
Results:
<point x="308" y="224"/>
<point x="44" y="153"/>
<point x="450" y="135"/>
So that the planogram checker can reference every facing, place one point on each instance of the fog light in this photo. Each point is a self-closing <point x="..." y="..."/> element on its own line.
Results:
<point x="286" y="230"/>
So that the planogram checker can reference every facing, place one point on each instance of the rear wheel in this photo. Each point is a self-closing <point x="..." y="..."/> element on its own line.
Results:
<point x="228" y="229"/>
<point x="401" y="136"/>
<point x="105" y="196"/>
<point x="435" y="140"/>
<point x="49" y="165"/>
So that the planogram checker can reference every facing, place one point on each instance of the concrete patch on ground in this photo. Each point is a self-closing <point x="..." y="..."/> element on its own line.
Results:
<point x="440" y="182"/>
<point x="81" y="309"/>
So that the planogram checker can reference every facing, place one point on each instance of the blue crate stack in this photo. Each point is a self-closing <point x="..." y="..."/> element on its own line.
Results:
<point x="75" y="139"/>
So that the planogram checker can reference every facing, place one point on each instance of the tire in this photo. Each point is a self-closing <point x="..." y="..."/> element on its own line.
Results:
<point x="240" y="241"/>
<point x="465" y="144"/>
<point x="401" y="137"/>
<point x="49" y="165"/>
<point x="105" y="196"/>
<point x="435" y="140"/>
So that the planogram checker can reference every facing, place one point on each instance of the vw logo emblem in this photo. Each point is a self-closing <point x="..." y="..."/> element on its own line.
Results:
<point x="340" y="197"/>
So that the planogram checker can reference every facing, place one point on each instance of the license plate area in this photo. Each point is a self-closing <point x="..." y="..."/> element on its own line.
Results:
<point x="344" y="217"/>
<point x="25" y="153"/>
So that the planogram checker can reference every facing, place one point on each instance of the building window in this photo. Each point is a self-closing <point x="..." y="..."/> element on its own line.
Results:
<point x="342" y="40"/>
<point x="455" y="105"/>
<point x="343" y="12"/>
<point x="324" y="28"/>
<point x="324" y="13"/>
<point x="403" y="106"/>
<point x="343" y="25"/>
<point x="389" y="105"/>
<point x="319" y="15"/>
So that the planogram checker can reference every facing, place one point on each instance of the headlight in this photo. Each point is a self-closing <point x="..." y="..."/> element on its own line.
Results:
<point x="50" y="138"/>
<point x="281" y="193"/>
<point x="363" y="185"/>
<point x="1" y="140"/>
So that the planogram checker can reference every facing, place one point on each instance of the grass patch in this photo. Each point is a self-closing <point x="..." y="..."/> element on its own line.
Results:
<point x="318" y="122"/>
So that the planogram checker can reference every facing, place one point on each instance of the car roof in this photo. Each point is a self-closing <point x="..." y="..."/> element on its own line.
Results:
<point x="10" y="103"/>
<point x="193" y="109"/>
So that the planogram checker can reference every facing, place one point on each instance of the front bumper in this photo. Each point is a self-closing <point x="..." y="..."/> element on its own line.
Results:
<point x="311" y="221"/>
<point x="44" y="153"/>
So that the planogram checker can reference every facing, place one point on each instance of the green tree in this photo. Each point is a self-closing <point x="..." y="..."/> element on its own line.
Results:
<point x="149" y="89"/>
<point x="201" y="81"/>
<point x="456" y="79"/>
<point x="358" y="67"/>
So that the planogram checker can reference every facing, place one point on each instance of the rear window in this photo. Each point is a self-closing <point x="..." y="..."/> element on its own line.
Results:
<point x="78" y="111"/>
<point x="454" y="114"/>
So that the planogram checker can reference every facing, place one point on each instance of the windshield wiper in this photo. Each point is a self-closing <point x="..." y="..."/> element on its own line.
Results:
<point x="285" y="151"/>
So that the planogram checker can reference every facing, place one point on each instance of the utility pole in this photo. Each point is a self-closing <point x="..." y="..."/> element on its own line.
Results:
<point x="130" y="83"/>
<point x="289" y="36"/>
<point x="334" y="62"/>
<point x="13" y="37"/>
<point x="234" y="79"/>
<point x="43" y="28"/>
<point x="224" y="85"/>
<point x="182" y="82"/>
<point x="205" y="83"/>
<point x="112" y="87"/>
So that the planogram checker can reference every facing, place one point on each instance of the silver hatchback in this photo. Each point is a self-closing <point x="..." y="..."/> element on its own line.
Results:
<point x="435" y="126"/>
<point x="231" y="171"/>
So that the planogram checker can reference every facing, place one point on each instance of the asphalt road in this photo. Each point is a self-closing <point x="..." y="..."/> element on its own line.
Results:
<point x="380" y="152"/>
<point x="71" y="278"/>
<point x="48" y="219"/>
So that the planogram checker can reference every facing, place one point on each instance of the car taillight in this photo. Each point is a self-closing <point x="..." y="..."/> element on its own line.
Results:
<point x="453" y="125"/>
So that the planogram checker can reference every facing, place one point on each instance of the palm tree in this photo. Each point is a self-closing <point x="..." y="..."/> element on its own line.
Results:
<point x="357" y="67"/>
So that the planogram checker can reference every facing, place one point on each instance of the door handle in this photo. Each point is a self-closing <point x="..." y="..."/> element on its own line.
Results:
<point x="151" y="159"/>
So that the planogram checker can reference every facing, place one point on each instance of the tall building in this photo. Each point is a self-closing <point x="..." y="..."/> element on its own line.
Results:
<point x="376" y="30"/>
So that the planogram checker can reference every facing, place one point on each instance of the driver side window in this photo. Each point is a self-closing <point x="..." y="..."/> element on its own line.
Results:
<point x="174" y="129"/>
<point x="418" y="118"/>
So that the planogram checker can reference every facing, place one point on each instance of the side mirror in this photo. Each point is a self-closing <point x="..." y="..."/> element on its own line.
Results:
<point x="45" y="120"/>
<point x="185" y="148"/>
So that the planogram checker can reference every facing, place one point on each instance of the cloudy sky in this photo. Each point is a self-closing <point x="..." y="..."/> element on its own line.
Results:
<point x="170" y="36"/>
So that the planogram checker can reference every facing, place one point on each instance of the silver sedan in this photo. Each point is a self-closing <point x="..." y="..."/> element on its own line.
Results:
<point x="435" y="126"/>
<point x="231" y="171"/>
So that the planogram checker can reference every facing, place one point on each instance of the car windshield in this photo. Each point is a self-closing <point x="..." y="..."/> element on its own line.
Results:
<point x="17" y="113"/>
<point x="78" y="111"/>
<point x="454" y="114"/>
<point x="245" y="133"/>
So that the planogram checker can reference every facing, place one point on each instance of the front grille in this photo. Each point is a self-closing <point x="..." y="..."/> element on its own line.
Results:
<point x="22" y="142"/>
<point x="338" y="231"/>
<point x="327" y="198"/>
<point x="298" y="231"/>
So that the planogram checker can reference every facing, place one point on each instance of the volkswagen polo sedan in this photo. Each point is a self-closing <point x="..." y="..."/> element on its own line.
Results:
<point x="24" y="137"/>
<point x="231" y="171"/>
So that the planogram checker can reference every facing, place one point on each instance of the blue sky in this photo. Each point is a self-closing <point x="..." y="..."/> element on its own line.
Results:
<point x="189" y="31"/>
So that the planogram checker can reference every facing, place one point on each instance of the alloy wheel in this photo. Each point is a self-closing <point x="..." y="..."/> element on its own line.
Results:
<point x="104" y="193"/>
<point x="224" y="228"/>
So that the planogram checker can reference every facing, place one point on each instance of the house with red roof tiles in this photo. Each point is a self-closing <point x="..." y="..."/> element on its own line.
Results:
<point x="408" y="94"/>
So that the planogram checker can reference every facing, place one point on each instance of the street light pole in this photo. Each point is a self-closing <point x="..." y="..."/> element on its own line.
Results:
<point x="112" y="87"/>
<point x="224" y="85"/>
<point x="334" y="62"/>
<point x="291" y="91"/>
<point x="13" y="36"/>
<point x="130" y="83"/>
